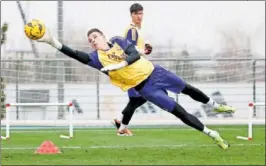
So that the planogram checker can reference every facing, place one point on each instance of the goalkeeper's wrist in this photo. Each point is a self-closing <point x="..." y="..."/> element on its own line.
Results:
<point x="56" y="44"/>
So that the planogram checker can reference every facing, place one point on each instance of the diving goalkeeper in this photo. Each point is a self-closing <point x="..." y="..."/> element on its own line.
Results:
<point x="120" y="60"/>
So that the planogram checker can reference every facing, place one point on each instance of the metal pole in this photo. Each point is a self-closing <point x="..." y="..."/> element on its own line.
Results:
<point x="60" y="72"/>
<point x="60" y="20"/>
<point x="98" y="94"/>
<point x="1" y="83"/>
<point x="17" y="70"/>
<point x="254" y="85"/>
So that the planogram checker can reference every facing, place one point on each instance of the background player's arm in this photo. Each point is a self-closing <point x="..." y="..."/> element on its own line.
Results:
<point x="132" y="36"/>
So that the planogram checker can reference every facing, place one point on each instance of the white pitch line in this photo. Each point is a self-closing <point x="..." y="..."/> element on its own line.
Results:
<point x="30" y="148"/>
<point x="113" y="130"/>
<point x="165" y="146"/>
<point x="130" y="146"/>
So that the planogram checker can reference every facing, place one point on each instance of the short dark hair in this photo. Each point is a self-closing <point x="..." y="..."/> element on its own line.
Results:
<point x="94" y="30"/>
<point x="135" y="8"/>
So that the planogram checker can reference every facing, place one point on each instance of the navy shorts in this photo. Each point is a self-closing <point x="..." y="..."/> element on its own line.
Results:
<point x="156" y="86"/>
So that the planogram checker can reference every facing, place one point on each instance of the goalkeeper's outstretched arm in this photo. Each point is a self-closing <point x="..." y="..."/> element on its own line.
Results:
<point x="86" y="58"/>
<point x="80" y="56"/>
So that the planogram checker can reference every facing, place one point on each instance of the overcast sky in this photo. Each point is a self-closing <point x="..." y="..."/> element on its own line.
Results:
<point x="197" y="24"/>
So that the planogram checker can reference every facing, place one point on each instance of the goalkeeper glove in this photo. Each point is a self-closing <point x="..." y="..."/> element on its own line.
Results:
<point x="49" y="39"/>
<point x="113" y="67"/>
<point x="147" y="49"/>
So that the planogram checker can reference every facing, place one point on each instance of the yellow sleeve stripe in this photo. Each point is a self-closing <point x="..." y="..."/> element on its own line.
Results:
<point x="134" y="34"/>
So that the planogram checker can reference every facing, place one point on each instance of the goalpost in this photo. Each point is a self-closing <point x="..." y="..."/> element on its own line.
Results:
<point x="250" y="120"/>
<point x="70" y="123"/>
<point x="70" y="117"/>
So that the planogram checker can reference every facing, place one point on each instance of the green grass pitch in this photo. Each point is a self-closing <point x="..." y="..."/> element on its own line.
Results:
<point x="150" y="146"/>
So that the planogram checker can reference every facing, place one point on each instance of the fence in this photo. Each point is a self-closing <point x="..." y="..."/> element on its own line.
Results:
<point x="64" y="80"/>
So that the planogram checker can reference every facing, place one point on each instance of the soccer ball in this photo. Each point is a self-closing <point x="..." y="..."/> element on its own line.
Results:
<point x="35" y="29"/>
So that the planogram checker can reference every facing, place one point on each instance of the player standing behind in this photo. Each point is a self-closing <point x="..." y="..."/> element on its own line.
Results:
<point x="133" y="34"/>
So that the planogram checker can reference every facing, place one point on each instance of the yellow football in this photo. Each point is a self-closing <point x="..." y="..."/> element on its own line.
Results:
<point x="35" y="29"/>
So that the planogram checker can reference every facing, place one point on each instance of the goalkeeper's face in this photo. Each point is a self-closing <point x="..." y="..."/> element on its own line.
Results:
<point x="97" y="41"/>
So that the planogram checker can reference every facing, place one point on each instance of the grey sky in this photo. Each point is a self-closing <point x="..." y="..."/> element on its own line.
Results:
<point x="196" y="24"/>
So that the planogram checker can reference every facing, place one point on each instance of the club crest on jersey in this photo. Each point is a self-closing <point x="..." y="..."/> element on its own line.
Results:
<point x="115" y="57"/>
<point x="117" y="53"/>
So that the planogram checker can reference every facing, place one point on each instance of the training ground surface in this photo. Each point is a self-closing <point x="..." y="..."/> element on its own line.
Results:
<point x="167" y="145"/>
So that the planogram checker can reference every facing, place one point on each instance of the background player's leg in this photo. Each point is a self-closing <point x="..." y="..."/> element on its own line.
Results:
<point x="135" y="101"/>
<point x="133" y="104"/>
<point x="132" y="93"/>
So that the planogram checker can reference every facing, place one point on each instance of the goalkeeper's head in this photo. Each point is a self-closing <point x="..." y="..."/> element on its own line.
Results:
<point x="97" y="39"/>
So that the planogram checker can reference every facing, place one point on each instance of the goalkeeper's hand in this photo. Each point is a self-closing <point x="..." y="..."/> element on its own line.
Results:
<point x="49" y="39"/>
<point x="113" y="67"/>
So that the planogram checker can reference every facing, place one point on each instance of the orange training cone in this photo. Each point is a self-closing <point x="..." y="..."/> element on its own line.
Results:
<point x="47" y="147"/>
